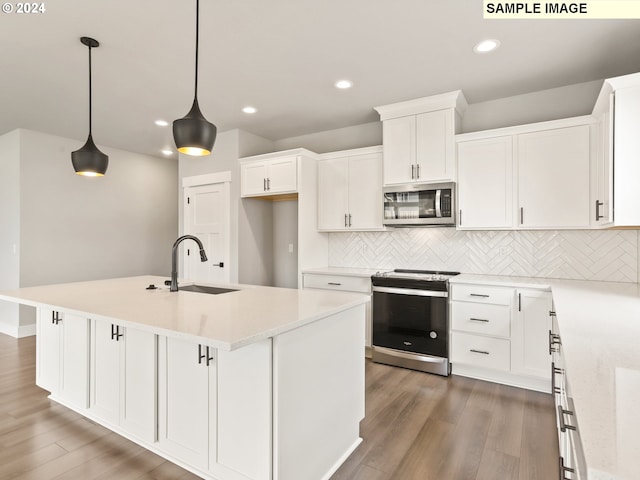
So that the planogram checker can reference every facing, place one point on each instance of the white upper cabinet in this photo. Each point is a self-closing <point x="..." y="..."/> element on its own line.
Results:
<point x="535" y="176"/>
<point x="618" y="169"/>
<point x="553" y="178"/>
<point x="485" y="183"/>
<point x="274" y="176"/>
<point x="418" y="138"/>
<point x="350" y="190"/>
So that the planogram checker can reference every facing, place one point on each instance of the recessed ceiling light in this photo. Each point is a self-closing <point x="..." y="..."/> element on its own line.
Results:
<point x="248" y="109"/>
<point x="162" y="123"/>
<point x="343" y="84"/>
<point x="486" y="46"/>
<point x="166" y="151"/>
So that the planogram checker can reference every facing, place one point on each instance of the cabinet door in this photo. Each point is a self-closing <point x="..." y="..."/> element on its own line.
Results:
<point x="282" y="175"/>
<point x="138" y="384"/>
<point x="485" y="183"/>
<point x="602" y="204"/>
<point x="253" y="177"/>
<point x="183" y="386"/>
<point x="332" y="194"/>
<point x="399" y="140"/>
<point x="48" y="351"/>
<point x="105" y="372"/>
<point x="435" y="146"/>
<point x="553" y="178"/>
<point x="530" y="334"/>
<point x="75" y="360"/>
<point x="365" y="192"/>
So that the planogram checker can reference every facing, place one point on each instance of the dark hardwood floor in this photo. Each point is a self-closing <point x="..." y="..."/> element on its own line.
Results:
<point x="417" y="427"/>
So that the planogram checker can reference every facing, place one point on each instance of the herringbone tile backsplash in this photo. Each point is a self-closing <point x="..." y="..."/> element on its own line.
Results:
<point x="606" y="255"/>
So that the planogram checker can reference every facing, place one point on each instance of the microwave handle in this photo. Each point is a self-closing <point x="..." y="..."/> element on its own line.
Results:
<point x="438" y="200"/>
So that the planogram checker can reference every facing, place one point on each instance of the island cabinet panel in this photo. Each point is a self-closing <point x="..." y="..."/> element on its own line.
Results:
<point x="215" y="408"/>
<point x="186" y="395"/>
<point x="63" y="356"/>
<point x="123" y="378"/>
<point x="318" y="395"/>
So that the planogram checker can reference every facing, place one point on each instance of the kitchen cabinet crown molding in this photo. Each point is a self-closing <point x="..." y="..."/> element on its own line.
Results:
<point x="294" y="151"/>
<point x="351" y="152"/>
<point x="527" y="128"/>
<point x="609" y="86"/>
<point x="455" y="100"/>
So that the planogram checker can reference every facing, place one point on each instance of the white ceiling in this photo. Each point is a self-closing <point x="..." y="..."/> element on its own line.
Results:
<point x="281" y="56"/>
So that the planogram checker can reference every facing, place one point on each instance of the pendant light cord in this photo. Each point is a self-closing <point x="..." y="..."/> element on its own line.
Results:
<point x="195" y="96"/>
<point x="90" y="91"/>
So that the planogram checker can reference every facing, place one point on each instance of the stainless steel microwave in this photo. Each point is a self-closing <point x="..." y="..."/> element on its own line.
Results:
<point x="419" y="204"/>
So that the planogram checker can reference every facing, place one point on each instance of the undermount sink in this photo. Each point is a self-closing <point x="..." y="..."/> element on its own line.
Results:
<point x="205" y="289"/>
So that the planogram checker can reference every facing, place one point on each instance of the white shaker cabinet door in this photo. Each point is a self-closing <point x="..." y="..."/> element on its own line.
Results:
<point x="530" y="334"/>
<point x="398" y="138"/>
<point x="365" y="192"/>
<point x="435" y="157"/>
<point x="485" y="183"/>
<point x="333" y="194"/>
<point x="184" y="380"/>
<point x="105" y="371"/>
<point x="553" y="178"/>
<point x="253" y="178"/>
<point x="282" y="175"/>
<point x="48" y="343"/>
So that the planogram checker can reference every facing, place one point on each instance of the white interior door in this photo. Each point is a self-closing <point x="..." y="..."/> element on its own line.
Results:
<point x="206" y="215"/>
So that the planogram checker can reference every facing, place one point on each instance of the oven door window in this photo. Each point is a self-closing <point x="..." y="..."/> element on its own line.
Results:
<point x="411" y="323"/>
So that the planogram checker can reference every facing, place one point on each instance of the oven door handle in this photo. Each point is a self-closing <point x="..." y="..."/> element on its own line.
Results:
<point x="410" y="291"/>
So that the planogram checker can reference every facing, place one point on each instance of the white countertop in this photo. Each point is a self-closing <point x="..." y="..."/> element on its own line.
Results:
<point x="347" y="271"/>
<point x="227" y="321"/>
<point x="600" y="330"/>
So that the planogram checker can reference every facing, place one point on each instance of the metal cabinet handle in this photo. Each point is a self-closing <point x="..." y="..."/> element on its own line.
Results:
<point x="479" y="320"/>
<point x="55" y="317"/>
<point x="349" y="219"/>
<point x="554" y="339"/>
<point x="483" y="352"/>
<point x="333" y="283"/>
<point x="268" y="183"/>
<point x="413" y="171"/>
<point x="115" y="332"/>
<point x="564" y="426"/>
<point x="264" y="184"/>
<point x="564" y="469"/>
<point x="201" y="356"/>
<point x="598" y="205"/>
<point x="478" y="295"/>
<point x="552" y="313"/>
<point x="345" y="220"/>
<point x="460" y="218"/>
<point x="418" y="171"/>
<point x="521" y="215"/>
<point x="210" y="357"/>
<point x="221" y="264"/>
<point x="555" y="371"/>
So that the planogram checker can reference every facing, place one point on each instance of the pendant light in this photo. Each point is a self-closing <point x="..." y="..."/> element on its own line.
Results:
<point x="89" y="161"/>
<point x="193" y="134"/>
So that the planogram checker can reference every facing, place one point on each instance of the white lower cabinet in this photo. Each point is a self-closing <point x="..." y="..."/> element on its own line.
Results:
<point x="62" y="356"/>
<point x="500" y="334"/>
<point x="123" y="378"/>
<point x="215" y="407"/>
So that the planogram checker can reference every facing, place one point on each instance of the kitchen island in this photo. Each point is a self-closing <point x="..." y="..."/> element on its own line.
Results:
<point x="257" y="383"/>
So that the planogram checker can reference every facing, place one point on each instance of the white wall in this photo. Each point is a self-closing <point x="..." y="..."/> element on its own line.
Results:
<point x="365" y="135"/>
<point x="285" y="233"/>
<point x="74" y="228"/>
<point x="9" y="228"/>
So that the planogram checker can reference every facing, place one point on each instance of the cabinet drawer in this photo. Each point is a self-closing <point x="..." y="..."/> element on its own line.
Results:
<point x="487" y="319"/>
<point x="483" y="294"/>
<point x="480" y="351"/>
<point x="337" y="282"/>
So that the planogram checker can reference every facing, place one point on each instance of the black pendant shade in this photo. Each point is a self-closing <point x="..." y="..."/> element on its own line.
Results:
<point x="193" y="134"/>
<point x="89" y="161"/>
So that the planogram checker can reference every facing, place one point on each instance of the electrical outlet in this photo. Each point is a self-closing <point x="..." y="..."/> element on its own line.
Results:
<point x="291" y="248"/>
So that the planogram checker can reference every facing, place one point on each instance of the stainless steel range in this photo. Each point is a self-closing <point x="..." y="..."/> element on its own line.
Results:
<point x="411" y="319"/>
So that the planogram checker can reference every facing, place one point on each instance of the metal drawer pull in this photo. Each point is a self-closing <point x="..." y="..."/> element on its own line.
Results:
<point x="479" y="320"/>
<point x="554" y="339"/>
<point x="561" y="413"/>
<point x="201" y="356"/>
<point x="483" y="352"/>
<point x="210" y="357"/>
<point x="564" y="469"/>
<point x="552" y="313"/>
<point x="598" y="205"/>
<point x="478" y="295"/>
<point x="333" y="283"/>
<point x="555" y="371"/>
